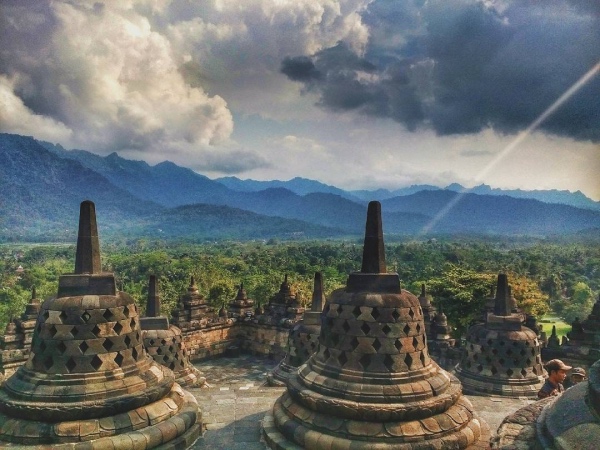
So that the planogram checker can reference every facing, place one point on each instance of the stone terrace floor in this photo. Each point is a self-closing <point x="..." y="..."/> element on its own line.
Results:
<point x="238" y="398"/>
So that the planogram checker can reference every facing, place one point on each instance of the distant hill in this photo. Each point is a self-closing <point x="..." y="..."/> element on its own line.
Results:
<point x="205" y="222"/>
<point x="42" y="185"/>
<point x="577" y="199"/>
<point x="40" y="192"/>
<point x="303" y="186"/>
<point x="297" y="185"/>
<point x="166" y="183"/>
<point x="474" y="213"/>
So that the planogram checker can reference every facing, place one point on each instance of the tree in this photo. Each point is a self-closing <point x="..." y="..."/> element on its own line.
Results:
<point x="580" y="304"/>
<point x="461" y="292"/>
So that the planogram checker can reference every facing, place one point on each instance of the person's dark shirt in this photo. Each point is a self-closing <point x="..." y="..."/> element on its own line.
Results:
<point x="549" y="389"/>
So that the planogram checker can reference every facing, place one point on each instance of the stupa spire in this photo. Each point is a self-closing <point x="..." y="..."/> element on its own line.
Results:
<point x="318" y="296"/>
<point x="373" y="260"/>
<point x="153" y="303"/>
<point x="87" y="258"/>
<point x="502" y="305"/>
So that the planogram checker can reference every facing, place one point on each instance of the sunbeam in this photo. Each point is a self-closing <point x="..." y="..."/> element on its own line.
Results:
<point x="511" y="147"/>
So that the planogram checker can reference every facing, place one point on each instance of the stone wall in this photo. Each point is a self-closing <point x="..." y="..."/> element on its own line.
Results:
<point x="201" y="343"/>
<point x="212" y="341"/>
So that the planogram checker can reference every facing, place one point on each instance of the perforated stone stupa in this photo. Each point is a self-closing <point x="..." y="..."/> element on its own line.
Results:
<point x="15" y="344"/>
<point x="502" y="356"/>
<point x="371" y="384"/>
<point x="303" y="338"/>
<point x="164" y="341"/>
<point x="88" y="382"/>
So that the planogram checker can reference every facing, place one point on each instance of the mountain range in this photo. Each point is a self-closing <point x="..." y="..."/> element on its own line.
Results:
<point x="42" y="185"/>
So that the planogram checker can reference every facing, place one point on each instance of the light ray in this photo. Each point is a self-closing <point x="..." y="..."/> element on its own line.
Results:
<point x="511" y="147"/>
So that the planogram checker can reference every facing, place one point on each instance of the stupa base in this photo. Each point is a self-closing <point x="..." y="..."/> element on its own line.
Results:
<point x="517" y="388"/>
<point x="280" y="375"/>
<point x="169" y="423"/>
<point x="284" y="433"/>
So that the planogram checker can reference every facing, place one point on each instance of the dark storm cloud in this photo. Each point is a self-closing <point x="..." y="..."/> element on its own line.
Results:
<point x="463" y="66"/>
<point x="300" y="68"/>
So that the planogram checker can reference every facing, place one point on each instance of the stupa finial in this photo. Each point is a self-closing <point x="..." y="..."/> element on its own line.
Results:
<point x="502" y="305"/>
<point x="373" y="260"/>
<point x="318" y="296"/>
<point x="87" y="258"/>
<point x="33" y="293"/>
<point x="153" y="304"/>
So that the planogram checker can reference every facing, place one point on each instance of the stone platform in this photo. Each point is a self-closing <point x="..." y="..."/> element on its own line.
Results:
<point x="236" y="402"/>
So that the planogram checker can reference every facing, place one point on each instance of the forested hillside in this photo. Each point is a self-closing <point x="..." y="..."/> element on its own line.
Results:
<point x="458" y="274"/>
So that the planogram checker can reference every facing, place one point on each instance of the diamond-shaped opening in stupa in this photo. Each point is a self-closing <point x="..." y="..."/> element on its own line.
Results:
<point x="61" y="347"/>
<point x="408" y="360"/>
<point x="376" y="345"/>
<point x="108" y="315"/>
<point x="346" y="326"/>
<point x="364" y="361"/>
<point x="96" y="362"/>
<point x="70" y="365"/>
<point x="108" y="344"/>
<point x="375" y="313"/>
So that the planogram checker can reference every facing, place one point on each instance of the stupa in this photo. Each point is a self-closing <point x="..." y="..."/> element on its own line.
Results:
<point x="502" y="356"/>
<point x="241" y="306"/>
<point x="88" y="382"/>
<point x="15" y="344"/>
<point x="303" y="338"/>
<point x="371" y="383"/>
<point x="164" y="341"/>
<point x="284" y="308"/>
<point x="583" y="345"/>
<point x="192" y="309"/>
<point x="428" y="309"/>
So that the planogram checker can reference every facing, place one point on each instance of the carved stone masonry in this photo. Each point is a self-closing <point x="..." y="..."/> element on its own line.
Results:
<point x="88" y="382"/>
<point x="371" y="383"/>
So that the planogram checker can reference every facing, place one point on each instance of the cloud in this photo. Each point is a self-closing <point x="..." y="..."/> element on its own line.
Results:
<point x="464" y="66"/>
<point x="102" y="72"/>
<point x="15" y="117"/>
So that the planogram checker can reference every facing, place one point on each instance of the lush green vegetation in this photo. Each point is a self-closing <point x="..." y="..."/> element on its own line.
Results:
<point x="543" y="276"/>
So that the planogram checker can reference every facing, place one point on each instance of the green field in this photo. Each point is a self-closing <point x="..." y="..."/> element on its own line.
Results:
<point x="562" y="328"/>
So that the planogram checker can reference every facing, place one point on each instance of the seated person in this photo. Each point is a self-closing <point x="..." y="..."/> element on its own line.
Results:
<point x="576" y="376"/>
<point x="557" y="372"/>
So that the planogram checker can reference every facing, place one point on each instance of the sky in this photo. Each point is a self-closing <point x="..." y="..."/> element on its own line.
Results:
<point x="360" y="94"/>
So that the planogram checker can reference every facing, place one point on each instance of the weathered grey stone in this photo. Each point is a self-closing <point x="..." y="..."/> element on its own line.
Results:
<point x="502" y="356"/>
<point x="371" y="382"/>
<point x="87" y="370"/>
